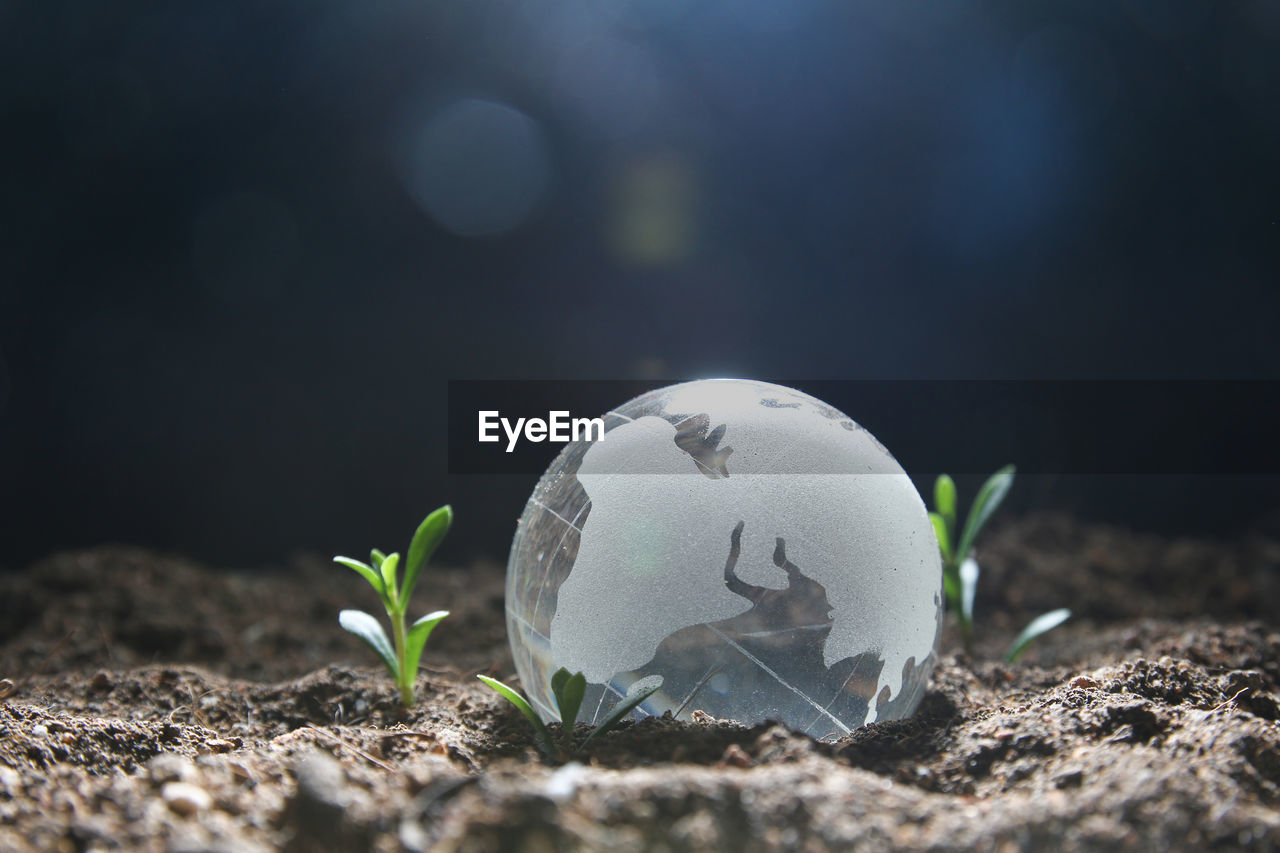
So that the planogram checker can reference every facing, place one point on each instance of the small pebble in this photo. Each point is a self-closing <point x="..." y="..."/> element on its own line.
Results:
<point x="322" y="785"/>
<point x="563" y="784"/>
<point x="220" y="744"/>
<point x="413" y="837"/>
<point x="170" y="767"/>
<point x="39" y="730"/>
<point x="186" y="799"/>
<point x="736" y="756"/>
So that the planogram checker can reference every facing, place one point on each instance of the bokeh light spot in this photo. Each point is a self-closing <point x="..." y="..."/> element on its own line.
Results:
<point x="652" y="222"/>
<point x="649" y="367"/>
<point x="476" y="167"/>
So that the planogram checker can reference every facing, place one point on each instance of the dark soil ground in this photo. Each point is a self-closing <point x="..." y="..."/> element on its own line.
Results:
<point x="163" y="705"/>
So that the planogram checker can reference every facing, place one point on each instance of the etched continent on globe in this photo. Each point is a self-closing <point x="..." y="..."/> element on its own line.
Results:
<point x="754" y="547"/>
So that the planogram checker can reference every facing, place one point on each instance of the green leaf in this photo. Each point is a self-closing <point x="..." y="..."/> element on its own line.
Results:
<point x="944" y="539"/>
<point x="625" y="706"/>
<point x="416" y="640"/>
<point x="1039" y="625"/>
<point x="989" y="497"/>
<point x="968" y="588"/>
<point x="558" y="679"/>
<point x="370" y="630"/>
<point x="388" y="567"/>
<point x="375" y="558"/>
<point x="525" y="708"/>
<point x="425" y="541"/>
<point x="366" y="571"/>
<point x="944" y="500"/>
<point x="568" y="692"/>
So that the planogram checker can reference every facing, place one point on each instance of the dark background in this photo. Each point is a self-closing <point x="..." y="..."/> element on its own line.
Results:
<point x="244" y="245"/>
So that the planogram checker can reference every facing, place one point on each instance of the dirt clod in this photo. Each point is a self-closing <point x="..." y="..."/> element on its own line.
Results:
<point x="186" y="799"/>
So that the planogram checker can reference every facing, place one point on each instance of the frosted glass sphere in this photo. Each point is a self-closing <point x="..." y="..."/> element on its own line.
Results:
<point x="750" y="545"/>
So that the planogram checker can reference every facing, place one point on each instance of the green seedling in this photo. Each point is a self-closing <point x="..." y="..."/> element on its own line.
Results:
<point x="959" y="568"/>
<point x="568" y="690"/>
<point x="401" y="659"/>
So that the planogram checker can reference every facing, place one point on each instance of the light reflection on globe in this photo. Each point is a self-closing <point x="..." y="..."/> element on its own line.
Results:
<point x="752" y="546"/>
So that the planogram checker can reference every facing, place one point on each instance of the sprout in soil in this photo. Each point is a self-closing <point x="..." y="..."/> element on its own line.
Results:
<point x="960" y="569"/>
<point x="568" y="690"/>
<point x="402" y="660"/>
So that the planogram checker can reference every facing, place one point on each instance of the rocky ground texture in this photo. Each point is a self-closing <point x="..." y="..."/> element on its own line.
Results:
<point x="156" y="704"/>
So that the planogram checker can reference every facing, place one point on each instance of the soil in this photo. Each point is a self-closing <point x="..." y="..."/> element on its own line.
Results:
<point x="162" y="705"/>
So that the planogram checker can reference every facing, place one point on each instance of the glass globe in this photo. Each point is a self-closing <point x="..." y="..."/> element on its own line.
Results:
<point x="749" y="545"/>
